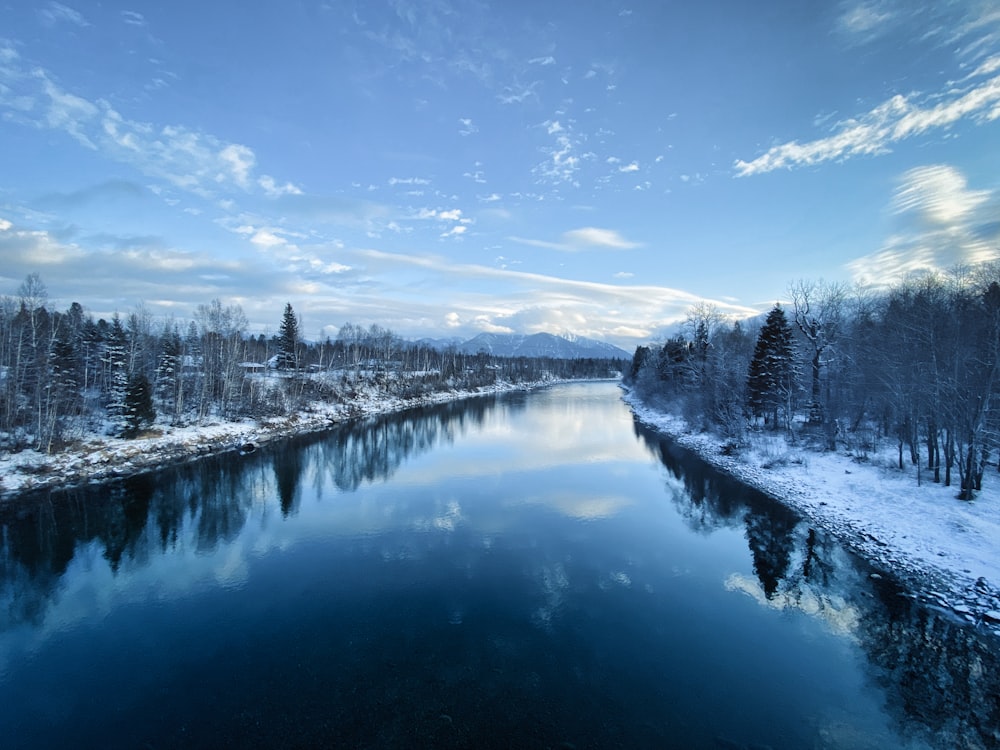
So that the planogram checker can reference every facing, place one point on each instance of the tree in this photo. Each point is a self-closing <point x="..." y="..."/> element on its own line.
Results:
<point x="771" y="377"/>
<point x="169" y="385"/>
<point x="288" y="340"/>
<point x="138" y="405"/>
<point x="818" y="312"/>
<point x="116" y="373"/>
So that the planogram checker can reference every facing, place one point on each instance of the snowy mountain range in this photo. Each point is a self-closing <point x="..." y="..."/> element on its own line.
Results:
<point x="535" y="345"/>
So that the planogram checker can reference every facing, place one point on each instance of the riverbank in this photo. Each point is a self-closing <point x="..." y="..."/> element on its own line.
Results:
<point x="99" y="458"/>
<point x="946" y="551"/>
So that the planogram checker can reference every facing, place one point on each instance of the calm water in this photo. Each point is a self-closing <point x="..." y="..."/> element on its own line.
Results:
<point x="530" y="571"/>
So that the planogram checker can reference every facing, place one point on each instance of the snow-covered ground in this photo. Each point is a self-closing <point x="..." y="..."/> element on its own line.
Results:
<point x="99" y="458"/>
<point x="947" y="551"/>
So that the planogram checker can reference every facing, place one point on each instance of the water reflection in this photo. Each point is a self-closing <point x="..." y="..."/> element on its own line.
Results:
<point x="611" y="591"/>
<point x="42" y="534"/>
<point x="941" y="677"/>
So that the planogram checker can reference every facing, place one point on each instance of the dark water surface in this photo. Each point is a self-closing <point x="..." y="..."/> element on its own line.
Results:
<point x="528" y="571"/>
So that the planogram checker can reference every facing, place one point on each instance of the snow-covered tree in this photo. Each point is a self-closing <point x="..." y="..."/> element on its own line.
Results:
<point x="288" y="340"/>
<point x="771" y="377"/>
<point x="138" y="410"/>
<point x="116" y="374"/>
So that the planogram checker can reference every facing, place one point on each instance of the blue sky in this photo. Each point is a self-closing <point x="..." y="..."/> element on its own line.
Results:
<point x="444" y="168"/>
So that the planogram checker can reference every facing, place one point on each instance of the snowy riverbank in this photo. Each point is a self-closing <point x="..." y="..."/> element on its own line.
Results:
<point x="99" y="458"/>
<point x="946" y="551"/>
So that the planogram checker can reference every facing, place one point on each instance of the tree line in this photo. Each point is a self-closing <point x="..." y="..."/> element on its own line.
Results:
<point x="65" y="375"/>
<point x="917" y="364"/>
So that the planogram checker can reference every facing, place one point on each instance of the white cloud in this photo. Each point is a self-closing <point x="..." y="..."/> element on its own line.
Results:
<point x="65" y="111"/>
<point x="534" y="302"/>
<point x="467" y="126"/>
<point x="874" y="132"/>
<point x="54" y="13"/>
<point x="273" y="189"/>
<point x="633" y="167"/>
<point x="194" y="161"/>
<point x="517" y="93"/>
<point x="456" y="231"/>
<point x="547" y="60"/>
<point x="486" y="325"/>
<point x="238" y="162"/>
<point x="624" y="275"/>
<point x="451" y="215"/>
<point x="584" y="238"/>
<point x="132" y="18"/>
<point x="408" y="181"/>
<point x="563" y="157"/>
<point x="594" y="237"/>
<point x="941" y="223"/>
<point x="5" y="225"/>
<point x="864" y="19"/>
<point x="267" y="239"/>
<point x="939" y="193"/>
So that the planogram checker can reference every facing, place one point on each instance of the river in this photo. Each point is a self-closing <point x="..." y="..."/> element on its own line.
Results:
<point x="519" y="571"/>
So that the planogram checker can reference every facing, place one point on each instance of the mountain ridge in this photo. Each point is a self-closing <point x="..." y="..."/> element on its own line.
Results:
<point x="533" y="345"/>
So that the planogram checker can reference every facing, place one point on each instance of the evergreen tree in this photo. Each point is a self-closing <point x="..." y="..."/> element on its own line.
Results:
<point x="116" y="372"/>
<point x="64" y="386"/>
<point x="771" y="376"/>
<point x="288" y="340"/>
<point x="138" y="405"/>
<point x="168" y="371"/>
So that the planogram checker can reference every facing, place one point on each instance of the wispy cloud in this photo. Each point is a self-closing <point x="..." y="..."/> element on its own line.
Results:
<point x="897" y="119"/>
<point x="547" y="60"/>
<point x="273" y="189"/>
<point x="585" y="238"/>
<point x="531" y="302"/>
<point x="188" y="159"/>
<point x="941" y="223"/>
<point x="409" y="181"/>
<point x="132" y="18"/>
<point x="517" y="93"/>
<point x="467" y="127"/>
<point x="864" y="21"/>
<point x="55" y="13"/>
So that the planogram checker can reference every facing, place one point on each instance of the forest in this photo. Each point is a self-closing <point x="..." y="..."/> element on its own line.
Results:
<point x="65" y="375"/>
<point x="914" y="365"/>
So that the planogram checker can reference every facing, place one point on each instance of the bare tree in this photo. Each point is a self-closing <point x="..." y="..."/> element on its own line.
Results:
<point x="819" y="311"/>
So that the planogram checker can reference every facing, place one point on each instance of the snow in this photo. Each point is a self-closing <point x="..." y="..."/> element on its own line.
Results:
<point x="99" y="458"/>
<point x="944" y="550"/>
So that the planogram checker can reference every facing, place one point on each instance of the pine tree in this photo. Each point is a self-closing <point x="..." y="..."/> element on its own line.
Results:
<point x="288" y="340"/>
<point x="64" y="386"/>
<point x="116" y="377"/>
<point x="771" y="376"/>
<point x="168" y="370"/>
<point x="138" y="405"/>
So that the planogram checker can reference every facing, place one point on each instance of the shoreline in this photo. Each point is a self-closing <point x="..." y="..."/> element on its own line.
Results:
<point x="98" y="459"/>
<point x="944" y="551"/>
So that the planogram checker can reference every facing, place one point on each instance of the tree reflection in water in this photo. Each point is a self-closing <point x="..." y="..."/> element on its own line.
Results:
<point x="937" y="672"/>
<point x="42" y="534"/>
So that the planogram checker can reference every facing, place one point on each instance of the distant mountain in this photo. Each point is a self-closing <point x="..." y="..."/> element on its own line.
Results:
<point x="541" y="345"/>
